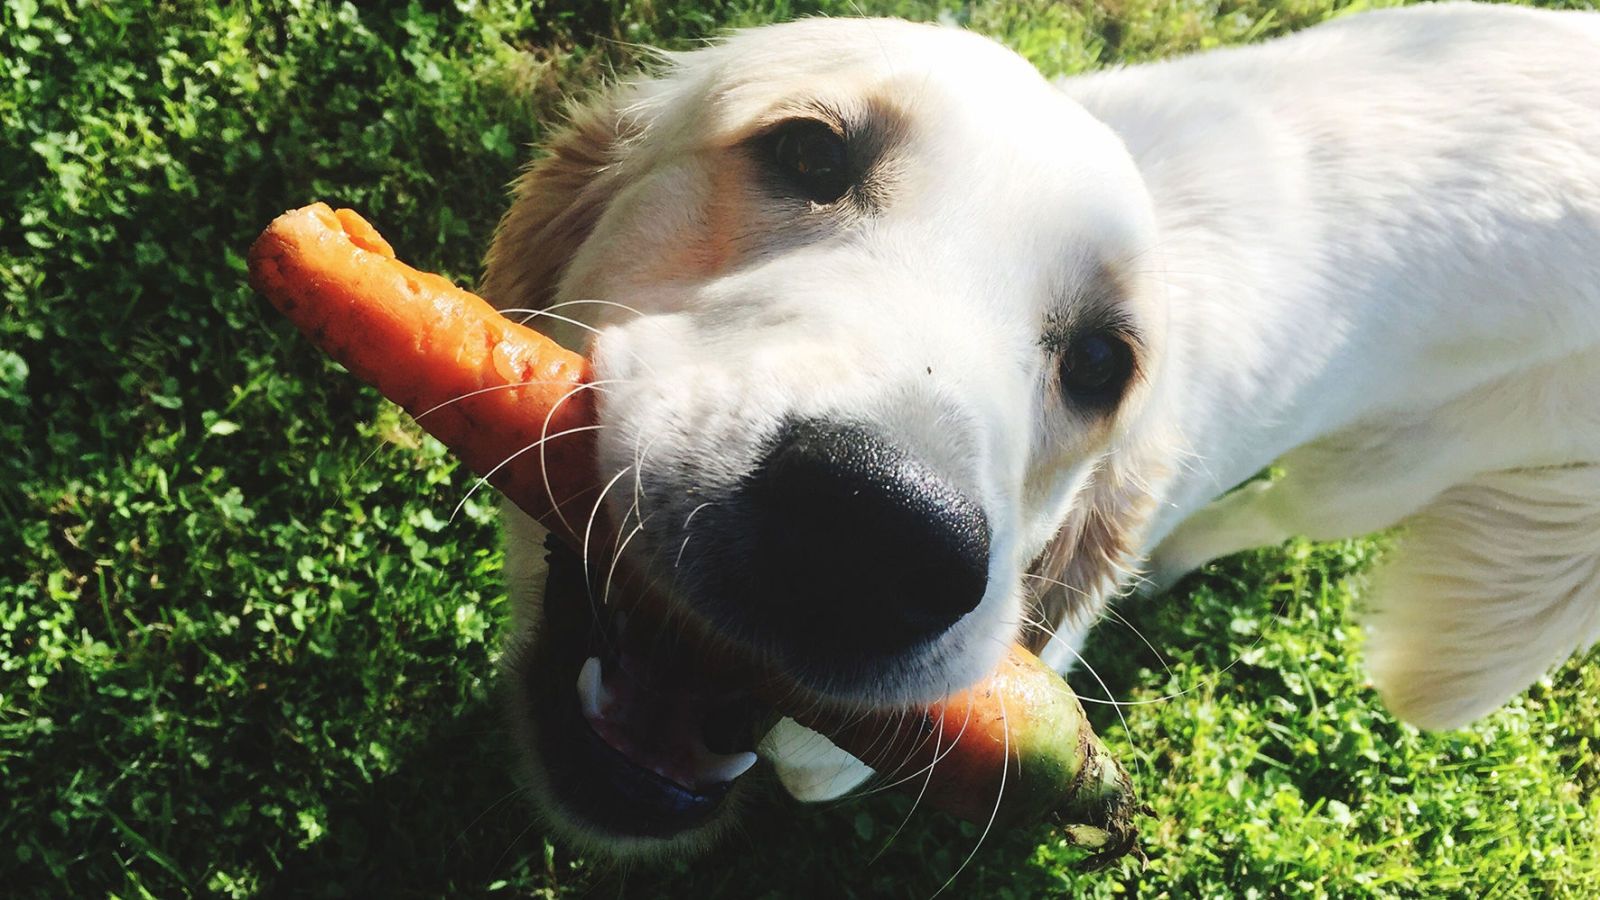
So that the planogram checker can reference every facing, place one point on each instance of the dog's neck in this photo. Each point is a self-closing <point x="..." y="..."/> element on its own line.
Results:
<point x="1229" y="260"/>
<point x="1316" y="228"/>
<point x="1252" y="369"/>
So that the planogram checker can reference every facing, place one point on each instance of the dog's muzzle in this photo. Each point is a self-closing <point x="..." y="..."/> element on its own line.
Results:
<point x="835" y="555"/>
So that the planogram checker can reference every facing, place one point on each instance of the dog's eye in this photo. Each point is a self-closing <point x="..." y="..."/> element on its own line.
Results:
<point x="1095" y="367"/>
<point x="813" y="157"/>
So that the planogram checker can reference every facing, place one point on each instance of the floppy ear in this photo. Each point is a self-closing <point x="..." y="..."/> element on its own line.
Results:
<point x="555" y="203"/>
<point x="1098" y="544"/>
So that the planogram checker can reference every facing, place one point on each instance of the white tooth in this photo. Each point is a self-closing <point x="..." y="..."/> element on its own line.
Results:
<point x="591" y="689"/>
<point x="717" y="767"/>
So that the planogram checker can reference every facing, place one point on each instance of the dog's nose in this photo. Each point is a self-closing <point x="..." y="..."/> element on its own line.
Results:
<point x="858" y="545"/>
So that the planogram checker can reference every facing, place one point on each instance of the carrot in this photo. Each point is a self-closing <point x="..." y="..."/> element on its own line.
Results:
<point x="507" y="400"/>
<point x="1015" y="748"/>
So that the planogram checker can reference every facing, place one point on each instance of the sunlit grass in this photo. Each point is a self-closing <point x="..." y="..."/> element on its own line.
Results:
<point x="235" y="659"/>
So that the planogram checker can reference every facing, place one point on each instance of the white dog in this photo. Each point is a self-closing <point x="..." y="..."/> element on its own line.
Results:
<point x="892" y="334"/>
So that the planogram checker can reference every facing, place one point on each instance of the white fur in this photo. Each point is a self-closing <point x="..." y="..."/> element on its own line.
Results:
<point x="1368" y="252"/>
<point x="1386" y="263"/>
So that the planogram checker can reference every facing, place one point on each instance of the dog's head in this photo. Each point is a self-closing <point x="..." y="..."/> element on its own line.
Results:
<point x="874" y="338"/>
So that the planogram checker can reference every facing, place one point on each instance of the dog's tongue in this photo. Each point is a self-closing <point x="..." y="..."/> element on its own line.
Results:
<point x="664" y="704"/>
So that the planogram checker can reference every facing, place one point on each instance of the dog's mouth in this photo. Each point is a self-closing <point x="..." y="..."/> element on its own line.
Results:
<point x="647" y="702"/>
<point x="642" y="724"/>
<point x="671" y="724"/>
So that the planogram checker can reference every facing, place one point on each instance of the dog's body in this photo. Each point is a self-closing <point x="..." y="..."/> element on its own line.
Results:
<point x="1369" y="253"/>
<point x="1383" y="256"/>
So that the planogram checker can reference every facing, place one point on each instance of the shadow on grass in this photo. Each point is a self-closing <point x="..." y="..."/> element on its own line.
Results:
<point x="1208" y="620"/>
<point x="450" y="822"/>
<point x="449" y="819"/>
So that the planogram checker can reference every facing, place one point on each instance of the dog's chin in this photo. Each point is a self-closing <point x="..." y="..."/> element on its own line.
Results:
<point x="591" y="795"/>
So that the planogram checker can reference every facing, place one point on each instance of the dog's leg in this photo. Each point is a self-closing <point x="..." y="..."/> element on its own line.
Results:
<point x="1237" y="521"/>
<point x="1349" y="484"/>
<point x="1493" y="583"/>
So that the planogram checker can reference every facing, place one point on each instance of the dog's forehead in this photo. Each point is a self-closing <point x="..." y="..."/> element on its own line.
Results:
<point x="981" y="167"/>
<point x="755" y="74"/>
<point x="957" y="100"/>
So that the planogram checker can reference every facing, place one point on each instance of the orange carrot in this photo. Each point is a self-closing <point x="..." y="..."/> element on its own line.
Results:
<point x="507" y="400"/>
<point x="1014" y="748"/>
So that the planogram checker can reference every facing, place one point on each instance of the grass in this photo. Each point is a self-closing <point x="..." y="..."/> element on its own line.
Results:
<point x="242" y="651"/>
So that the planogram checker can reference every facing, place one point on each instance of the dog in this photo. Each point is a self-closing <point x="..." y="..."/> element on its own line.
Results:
<point x="900" y="348"/>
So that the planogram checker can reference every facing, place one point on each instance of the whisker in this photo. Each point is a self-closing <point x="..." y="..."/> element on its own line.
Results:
<point x="484" y="479"/>
<point x="1058" y="583"/>
<point x="1115" y="704"/>
<point x="1050" y="631"/>
<point x="605" y="593"/>
<point x="544" y="467"/>
<point x="512" y="845"/>
<point x="622" y="306"/>
<point x="685" y="529"/>
<point x="1005" y="732"/>
<point x="887" y="730"/>
<point x="499" y="387"/>
<point x="529" y="315"/>
<point x="638" y="469"/>
<point x="922" y="791"/>
<point x="438" y="406"/>
<point x="1112" y="611"/>
<point x="927" y="769"/>
<point x="588" y="578"/>
<point x="362" y="465"/>
<point x="594" y="514"/>
<point x="460" y="838"/>
<point x="637" y="511"/>
<point x="1106" y="610"/>
<point x="1111" y="698"/>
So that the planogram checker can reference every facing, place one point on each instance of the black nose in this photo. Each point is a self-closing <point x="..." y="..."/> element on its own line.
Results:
<point x="858" y="546"/>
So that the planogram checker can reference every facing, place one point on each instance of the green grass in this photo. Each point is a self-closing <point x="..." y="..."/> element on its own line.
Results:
<point x="239" y="656"/>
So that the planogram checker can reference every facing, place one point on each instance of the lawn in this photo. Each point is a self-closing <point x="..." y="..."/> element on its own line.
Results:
<point x="245" y="650"/>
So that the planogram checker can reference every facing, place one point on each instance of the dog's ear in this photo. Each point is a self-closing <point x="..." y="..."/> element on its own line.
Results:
<point x="556" y="201"/>
<point x="1097" y="546"/>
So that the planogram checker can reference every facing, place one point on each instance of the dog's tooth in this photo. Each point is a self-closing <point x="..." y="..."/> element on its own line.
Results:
<point x="718" y="767"/>
<point x="591" y="688"/>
